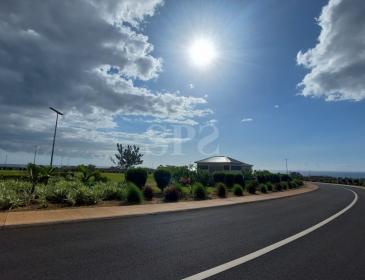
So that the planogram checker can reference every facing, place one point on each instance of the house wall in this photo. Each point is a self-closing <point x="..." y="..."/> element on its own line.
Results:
<point x="223" y="167"/>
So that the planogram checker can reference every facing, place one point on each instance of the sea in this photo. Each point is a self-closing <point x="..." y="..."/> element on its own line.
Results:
<point x="347" y="174"/>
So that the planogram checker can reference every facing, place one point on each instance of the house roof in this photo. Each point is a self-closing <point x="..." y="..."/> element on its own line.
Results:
<point x="221" y="159"/>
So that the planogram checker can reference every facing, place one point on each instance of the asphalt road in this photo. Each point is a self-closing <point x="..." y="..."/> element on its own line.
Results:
<point x="178" y="245"/>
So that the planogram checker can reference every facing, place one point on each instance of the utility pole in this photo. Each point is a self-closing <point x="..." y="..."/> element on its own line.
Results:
<point x="286" y="165"/>
<point x="35" y="153"/>
<point x="55" y="131"/>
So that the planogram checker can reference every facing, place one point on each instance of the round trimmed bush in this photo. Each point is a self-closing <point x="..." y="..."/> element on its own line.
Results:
<point x="252" y="187"/>
<point x="134" y="194"/>
<point x="237" y="190"/>
<point x="148" y="192"/>
<point x="171" y="194"/>
<point x="199" y="192"/>
<point x="221" y="190"/>
<point x="162" y="178"/>
<point x="263" y="188"/>
<point x="137" y="176"/>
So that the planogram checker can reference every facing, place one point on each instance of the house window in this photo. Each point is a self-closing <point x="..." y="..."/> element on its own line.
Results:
<point x="226" y="167"/>
<point x="235" y="167"/>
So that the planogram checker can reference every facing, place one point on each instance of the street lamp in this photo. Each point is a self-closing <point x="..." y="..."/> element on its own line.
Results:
<point x="286" y="164"/>
<point x="55" y="130"/>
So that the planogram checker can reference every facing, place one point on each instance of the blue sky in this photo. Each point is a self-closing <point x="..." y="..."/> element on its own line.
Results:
<point x="254" y="78"/>
<point x="262" y="40"/>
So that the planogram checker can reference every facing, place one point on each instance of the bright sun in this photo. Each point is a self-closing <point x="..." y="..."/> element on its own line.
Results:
<point x="202" y="52"/>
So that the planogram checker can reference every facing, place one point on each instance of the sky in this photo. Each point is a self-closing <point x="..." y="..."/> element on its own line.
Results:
<point x="280" y="80"/>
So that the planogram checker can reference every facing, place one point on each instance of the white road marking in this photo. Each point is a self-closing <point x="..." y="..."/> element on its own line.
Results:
<point x="263" y="251"/>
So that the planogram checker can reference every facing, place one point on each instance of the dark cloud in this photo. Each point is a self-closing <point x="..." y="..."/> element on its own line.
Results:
<point x="60" y="53"/>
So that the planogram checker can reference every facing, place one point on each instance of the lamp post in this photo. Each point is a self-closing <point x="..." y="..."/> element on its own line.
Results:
<point x="286" y="164"/>
<point x="55" y="131"/>
<point x="35" y="153"/>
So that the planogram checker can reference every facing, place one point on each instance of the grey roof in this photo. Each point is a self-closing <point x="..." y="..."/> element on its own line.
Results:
<point x="221" y="159"/>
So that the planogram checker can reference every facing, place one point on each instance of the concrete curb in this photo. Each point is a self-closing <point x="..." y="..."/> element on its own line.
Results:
<point x="43" y="217"/>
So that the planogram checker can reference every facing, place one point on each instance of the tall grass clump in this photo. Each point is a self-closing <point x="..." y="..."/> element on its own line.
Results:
<point x="134" y="194"/>
<point x="199" y="192"/>
<point x="269" y="186"/>
<point x="221" y="189"/>
<point x="263" y="188"/>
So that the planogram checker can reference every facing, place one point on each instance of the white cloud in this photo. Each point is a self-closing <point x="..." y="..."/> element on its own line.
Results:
<point x="276" y="106"/>
<point x="191" y="86"/>
<point x="337" y="62"/>
<point x="247" y="120"/>
<point x="85" y="58"/>
<point x="211" y="122"/>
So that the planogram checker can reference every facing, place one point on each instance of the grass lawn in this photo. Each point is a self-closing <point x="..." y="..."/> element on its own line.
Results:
<point x="12" y="172"/>
<point x="114" y="177"/>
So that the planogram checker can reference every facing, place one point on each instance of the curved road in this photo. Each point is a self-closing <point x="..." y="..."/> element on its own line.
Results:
<point x="182" y="244"/>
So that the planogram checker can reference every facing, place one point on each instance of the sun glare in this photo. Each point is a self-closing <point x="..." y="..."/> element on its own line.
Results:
<point x="202" y="52"/>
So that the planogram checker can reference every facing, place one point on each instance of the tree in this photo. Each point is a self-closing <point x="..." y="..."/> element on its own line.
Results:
<point x="127" y="157"/>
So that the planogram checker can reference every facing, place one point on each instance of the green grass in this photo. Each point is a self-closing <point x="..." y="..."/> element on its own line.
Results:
<point x="119" y="177"/>
<point x="12" y="172"/>
<point x="114" y="177"/>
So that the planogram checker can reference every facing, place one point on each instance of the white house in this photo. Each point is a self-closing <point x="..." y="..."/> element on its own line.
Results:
<point x="222" y="163"/>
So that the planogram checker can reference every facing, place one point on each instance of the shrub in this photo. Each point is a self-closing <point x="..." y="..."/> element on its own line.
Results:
<point x="137" y="176"/>
<point x="278" y="187"/>
<point x="219" y="177"/>
<point x="203" y="177"/>
<point x="263" y="188"/>
<point x="269" y="186"/>
<point x="229" y="179"/>
<point x="58" y="192"/>
<point x="284" y="185"/>
<point x="238" y="179"/>
<point x="108" y="191"/>
<point x="41" y="195"/>
<point x="148" y="192"/>
<point x="81" y="195"/>
<point x="162" y="178"/>
<point x="292" y="185"/>
<point x="237" y="190"/>
<point x="8" y="197"/>
<point x="221" y="190"/>
<point x="252" y="186"/>
<point x="199" y="192"/>
<point x="134" y="194"/>
<point x="298" y="182"/>
<point x="171" y="194"/>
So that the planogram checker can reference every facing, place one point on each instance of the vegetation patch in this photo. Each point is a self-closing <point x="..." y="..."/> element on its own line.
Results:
<point x="199" y="192"/>
<point x="237" y="190"/>
<point x="221" y="190"/>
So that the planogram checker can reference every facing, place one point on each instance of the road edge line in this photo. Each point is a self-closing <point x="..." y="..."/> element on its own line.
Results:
<point x="228" y="265"/>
